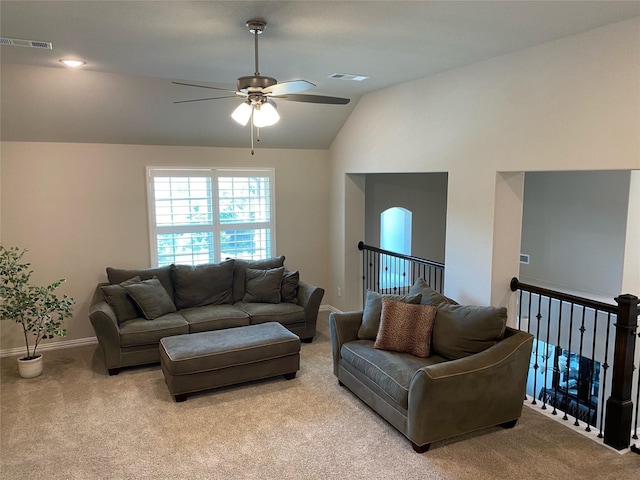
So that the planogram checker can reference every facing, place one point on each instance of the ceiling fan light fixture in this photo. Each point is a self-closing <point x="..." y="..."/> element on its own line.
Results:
<point x="73" y="63"/>
<point x="265" y="115"/>
<point x="242" y="113"/>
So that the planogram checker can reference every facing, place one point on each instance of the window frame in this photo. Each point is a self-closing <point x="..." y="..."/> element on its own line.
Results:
<point x="216" y="227"/>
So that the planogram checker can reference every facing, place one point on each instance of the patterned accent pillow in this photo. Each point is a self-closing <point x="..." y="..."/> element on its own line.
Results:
<point x="406" y="327"/>
<point x="373" y="309"/>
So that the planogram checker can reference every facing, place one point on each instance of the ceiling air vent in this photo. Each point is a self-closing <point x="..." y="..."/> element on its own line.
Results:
<point x="17" y="42"/>
<point x="348" y="76"/>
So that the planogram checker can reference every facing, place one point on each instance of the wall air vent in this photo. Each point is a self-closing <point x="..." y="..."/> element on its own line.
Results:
<point x="17" y="42"/>
<point x="348" y="76"/>
<point x="524" y="258"/>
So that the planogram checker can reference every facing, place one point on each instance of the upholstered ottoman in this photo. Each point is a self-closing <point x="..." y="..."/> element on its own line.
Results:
<point x="200" y="361"/>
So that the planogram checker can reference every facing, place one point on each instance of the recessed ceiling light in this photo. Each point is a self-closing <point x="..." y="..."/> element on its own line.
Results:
<point x="72" y="63"/>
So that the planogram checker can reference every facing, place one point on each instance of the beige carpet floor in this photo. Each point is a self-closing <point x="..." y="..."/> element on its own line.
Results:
<point x="76" y="422"/>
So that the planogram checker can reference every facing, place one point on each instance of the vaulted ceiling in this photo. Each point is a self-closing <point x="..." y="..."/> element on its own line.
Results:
<point x="135" y="49"/>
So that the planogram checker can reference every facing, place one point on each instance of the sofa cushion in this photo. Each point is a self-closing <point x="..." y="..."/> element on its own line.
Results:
<point x="263" y="286"/>
<point x="120" y="301"/>
<point x="406" y="328"/>
<point x="214" y="317"/>
<point x="239" y="272"/>
<point x="391" y="371"/>
<point x="284" y="313"/>
<point x="289" y="287"/>
<point x="118" y="275"/>
<point x="139" y="331"/>
<point x="151" y="298"/>
<point x="372" y="310"/>
<point x="462" y="330"/>
<point x="429" y="295"/>
<point x="209" y="284"/>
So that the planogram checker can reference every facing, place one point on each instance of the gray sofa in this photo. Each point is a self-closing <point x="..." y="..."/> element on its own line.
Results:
<point x="474" y="376"/>
<point x="136" y="308"/>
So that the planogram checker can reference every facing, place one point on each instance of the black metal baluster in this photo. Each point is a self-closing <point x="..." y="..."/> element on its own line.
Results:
<point x="556" y="360"/>
<point x="546" y="355"/>
<point x="565" y="400"/>
<point x="593" y="358"/>
<point x="605" y="367"/>
<point x="635" y="424"/>
<point x="580" y="376"/>
<point x="535" y="365"/>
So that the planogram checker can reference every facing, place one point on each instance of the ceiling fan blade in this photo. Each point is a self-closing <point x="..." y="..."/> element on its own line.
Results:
<point x="202" y="86"/>
<point x="316" y="99"/>
<point x="203" y="99"/>
<point x="285" y="88"/>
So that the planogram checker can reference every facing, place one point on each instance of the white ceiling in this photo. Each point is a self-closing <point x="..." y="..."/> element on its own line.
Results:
<point x="134" y="49"/>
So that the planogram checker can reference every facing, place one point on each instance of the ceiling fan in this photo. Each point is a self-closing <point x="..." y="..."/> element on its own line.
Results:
<point x="259" y="91"/>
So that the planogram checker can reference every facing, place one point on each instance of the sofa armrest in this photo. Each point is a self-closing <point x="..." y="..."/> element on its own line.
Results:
<point x="104" y="322"/>
<point x="343" y="327"/>
<point x="309" y="298"/>
<point x="463" y="395"/>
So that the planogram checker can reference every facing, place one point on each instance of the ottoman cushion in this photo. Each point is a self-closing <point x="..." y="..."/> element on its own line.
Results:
<point x="206" y="351"/>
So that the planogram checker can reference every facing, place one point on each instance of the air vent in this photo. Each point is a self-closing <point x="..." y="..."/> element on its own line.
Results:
<point x="524" y="258"/>
<point x="17" y="42"/>
<point x="348" y="76"/>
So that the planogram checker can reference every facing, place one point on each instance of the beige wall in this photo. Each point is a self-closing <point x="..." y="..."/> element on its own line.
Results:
<point x="572" y="104"/>
<point x="79" y="208"/>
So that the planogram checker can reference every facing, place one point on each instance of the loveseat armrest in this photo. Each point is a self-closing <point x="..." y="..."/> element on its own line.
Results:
<point x="309" y="298"/>
<point x="105" y="325"/>
<point x="463" y="395"/>
<point x="343" y="327"/>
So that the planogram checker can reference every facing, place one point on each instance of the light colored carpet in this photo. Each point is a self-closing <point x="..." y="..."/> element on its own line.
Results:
<point x="76" y="422"/>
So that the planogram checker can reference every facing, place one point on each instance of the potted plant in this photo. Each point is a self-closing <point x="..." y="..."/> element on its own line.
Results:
<point x="37" y="309"/>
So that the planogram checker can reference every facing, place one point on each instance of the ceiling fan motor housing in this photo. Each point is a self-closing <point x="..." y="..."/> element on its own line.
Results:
<point x="255" y="84"/>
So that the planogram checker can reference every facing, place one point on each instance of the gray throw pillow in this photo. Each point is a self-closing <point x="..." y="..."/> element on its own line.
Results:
<point x="239" y="280"/>
<point x="201" y="285"/>
<point x="151" y="298"/>
<point x="119" y="275"/>
<point x="462" y="330"/>
<point x="263" y="286"/>
<point x="429" y="295"/>
<point x="372" y="310"/>
<point x="122" y="304"/>
<point x="289" y="288"/>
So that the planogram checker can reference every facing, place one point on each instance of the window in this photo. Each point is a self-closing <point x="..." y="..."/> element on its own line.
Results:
<point x="206" y="215"/>
<point x="395" y="236"/>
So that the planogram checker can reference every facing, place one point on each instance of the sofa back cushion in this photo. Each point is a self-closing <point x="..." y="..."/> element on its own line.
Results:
<point x="263" y="286"/>
<point x="119" y="275"/>
<point x="239" y="279"/>
<point x="406" y="328"/>
<point x="462" y="330"/>
<point x="373" y="309"/>
<point x="289" y="289"/>
<point x="209" y="284"/>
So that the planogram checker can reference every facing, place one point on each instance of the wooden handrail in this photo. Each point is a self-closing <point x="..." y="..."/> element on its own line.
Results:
<point x="431" y="263"/>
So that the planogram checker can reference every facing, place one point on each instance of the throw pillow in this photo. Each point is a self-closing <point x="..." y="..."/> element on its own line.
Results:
<point x="151" y="298"/>
<point x="406" y="328"/>
<point x="289" y="287"/>
<point x="263" y="286"/>
<point x="239" y="280"/>
<point x="118" y="275"/>
<point x="462" y="330"/>
<point x="429" y="295"/>
<point x="372" y="310"/>
<point x="208" y="284"/>
<point x="122" y="304"/>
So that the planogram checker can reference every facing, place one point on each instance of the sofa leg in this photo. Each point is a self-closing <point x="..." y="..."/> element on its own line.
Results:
<point x="340" y="383"/>
<point x="420" y="448"/>
<point x="181" y="397"/>
<point x="509" y="424"/>
<point x="113" y="371"/>
<point x="307" y="340"/>
<point x="290" y="376"/>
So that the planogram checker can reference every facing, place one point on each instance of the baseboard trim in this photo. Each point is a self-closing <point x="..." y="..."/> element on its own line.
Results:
<point x="329" y="308"/>
<point x="10" y="352"/>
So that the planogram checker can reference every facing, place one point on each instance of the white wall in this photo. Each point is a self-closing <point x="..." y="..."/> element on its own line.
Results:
<point x="572" y="104"/>
<point x="79" y="208"/>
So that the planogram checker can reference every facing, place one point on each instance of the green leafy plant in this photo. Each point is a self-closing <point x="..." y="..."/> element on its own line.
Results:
<point x="38" y="309"/>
